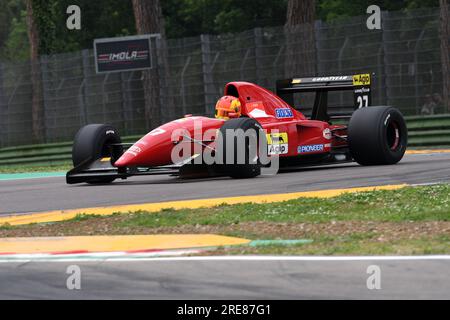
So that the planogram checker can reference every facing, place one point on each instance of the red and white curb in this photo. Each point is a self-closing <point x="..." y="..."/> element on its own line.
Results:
<point x="95" y="256"/>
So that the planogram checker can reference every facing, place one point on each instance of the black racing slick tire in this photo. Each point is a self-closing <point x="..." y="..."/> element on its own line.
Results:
<point x="377" y="136"/>
<point x="245" y="163"/>
<point x="93" y="142"/>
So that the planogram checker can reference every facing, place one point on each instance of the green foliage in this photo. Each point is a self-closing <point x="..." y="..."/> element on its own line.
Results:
<point x="16" y="45"/>
<point x="13" y="31"/>
<point x="328" y="10"/>
<point x="45" y="12"/>
<point x="99" y="19"/>
<point x="184" y="18"/>
<point x="102" y="18"/>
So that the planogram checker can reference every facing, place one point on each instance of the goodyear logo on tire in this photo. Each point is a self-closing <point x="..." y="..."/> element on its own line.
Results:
<point x="361" y="79"/>
<point x="277" y="143"/>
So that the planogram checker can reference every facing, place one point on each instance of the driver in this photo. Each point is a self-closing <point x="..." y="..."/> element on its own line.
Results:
<point x="228" y="107"/>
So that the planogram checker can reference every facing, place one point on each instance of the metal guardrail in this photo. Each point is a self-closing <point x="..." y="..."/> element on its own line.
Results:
<point x="429" y="131"/>
<point x="42" y="154"/>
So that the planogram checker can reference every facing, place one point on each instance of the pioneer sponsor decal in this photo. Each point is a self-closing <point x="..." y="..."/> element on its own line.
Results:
<point x="311" y="148"/>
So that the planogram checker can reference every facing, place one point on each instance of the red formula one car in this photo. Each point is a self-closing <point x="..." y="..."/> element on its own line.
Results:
<point x="369" y="135"/>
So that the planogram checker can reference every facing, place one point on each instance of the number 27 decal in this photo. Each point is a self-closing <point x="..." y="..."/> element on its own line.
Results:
<point x="362" y="101"/>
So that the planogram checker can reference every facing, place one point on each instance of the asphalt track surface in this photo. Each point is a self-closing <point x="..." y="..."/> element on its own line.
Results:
<point x="45" y="194"/>
<point x="235" y="279"/>
<point x="159" y="279"/>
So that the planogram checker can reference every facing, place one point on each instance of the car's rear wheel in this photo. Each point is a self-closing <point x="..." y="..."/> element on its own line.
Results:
<point x="242" y="135"/>
<point x="93" y="142"/>
<point x="377" y="136"/>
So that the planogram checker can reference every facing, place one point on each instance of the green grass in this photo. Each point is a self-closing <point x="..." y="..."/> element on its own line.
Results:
<point x="30" y="168"/>
<point x="6" y="226"/>
<point x="429" y="203"/>
<point x="337" y="246"/>
<point x="412" y="220"/>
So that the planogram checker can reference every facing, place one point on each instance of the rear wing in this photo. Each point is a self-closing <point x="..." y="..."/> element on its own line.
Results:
<point x="360" y="84"/>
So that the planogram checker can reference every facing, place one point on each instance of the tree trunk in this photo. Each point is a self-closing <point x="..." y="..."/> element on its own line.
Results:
<point x="37" y="109"/>
<point x="301" y="44"/>
<point x="444" y="37"/>
<point x="149" y="19"/>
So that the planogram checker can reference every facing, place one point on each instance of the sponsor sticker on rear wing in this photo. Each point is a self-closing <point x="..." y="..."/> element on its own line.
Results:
<point x="360" y="84"/>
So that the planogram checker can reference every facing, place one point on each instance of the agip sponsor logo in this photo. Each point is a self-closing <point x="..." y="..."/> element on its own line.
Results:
<point x="310" y="148"/>
<point x="284" y="113"/>
<point x="361" y="79"/>
<point x="277" y="149"/>
<point x="277" y="143"/>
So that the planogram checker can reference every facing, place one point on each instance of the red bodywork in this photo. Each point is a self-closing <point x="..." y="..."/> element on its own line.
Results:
<point x="155" y="148"/>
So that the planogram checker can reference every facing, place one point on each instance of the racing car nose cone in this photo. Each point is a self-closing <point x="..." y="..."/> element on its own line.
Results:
<point x="124" y="160"/>
<point x="133" y="156"/>
<point x="151" y="151"/>
<point x="155" y="148"/>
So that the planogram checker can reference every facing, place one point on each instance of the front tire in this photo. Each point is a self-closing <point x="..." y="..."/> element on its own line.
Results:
<point x="250" y="167"/>
<point x="377" y="136"/>
<point x="93" y="142"/>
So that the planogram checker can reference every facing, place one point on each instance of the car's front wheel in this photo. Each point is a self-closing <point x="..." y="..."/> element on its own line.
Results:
<point x="93" y="142"/>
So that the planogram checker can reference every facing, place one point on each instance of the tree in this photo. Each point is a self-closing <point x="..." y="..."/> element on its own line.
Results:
<point x="16" y="47"/>
<point x="328" y="10"/>
<point x="183" y="18"/>
<point x="186" y="18"/>
<point x="149" y="19"/>
<point x="99" y="19"/>
<point x="37" y="109"/>
<point x="301" y="44"/>
<point x="444" y="33"/>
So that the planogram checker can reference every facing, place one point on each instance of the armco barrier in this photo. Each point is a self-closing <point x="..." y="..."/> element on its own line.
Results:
<point x="430" y="131"/>
<point x="43" y="154"/>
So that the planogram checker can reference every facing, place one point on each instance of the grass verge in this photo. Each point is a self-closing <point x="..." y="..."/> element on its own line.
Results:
<point x="413" y="220"/>
<point x="41" y="168"/>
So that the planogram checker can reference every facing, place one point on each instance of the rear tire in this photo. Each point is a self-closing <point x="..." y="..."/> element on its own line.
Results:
<point x="251" y="166"/>
<point x="92" y="142"/>
<point x="377" y="136"/>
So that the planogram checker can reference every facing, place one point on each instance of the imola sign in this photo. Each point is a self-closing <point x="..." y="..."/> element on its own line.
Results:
<point x="123" y="54"/>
